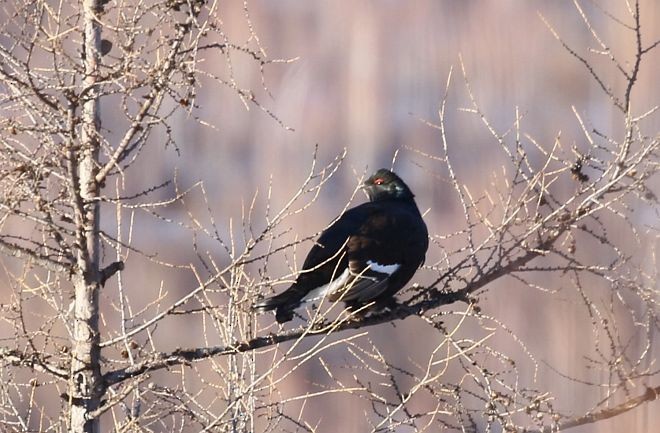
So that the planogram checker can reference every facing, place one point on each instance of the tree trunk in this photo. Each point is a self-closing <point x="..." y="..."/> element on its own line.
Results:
<point x="85" y="387"/>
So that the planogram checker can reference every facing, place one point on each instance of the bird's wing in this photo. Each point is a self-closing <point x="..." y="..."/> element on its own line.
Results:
<point x="363" y="283"/>
<point x="325" y="265"/>
<point x="334" y="238"/>
<point x="375" y="251"/>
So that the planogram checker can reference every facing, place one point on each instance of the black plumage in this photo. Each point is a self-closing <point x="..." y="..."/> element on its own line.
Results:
<point x="367" y="255"/>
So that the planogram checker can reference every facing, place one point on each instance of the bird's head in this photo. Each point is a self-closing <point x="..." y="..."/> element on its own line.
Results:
<point x="384" y="185"/>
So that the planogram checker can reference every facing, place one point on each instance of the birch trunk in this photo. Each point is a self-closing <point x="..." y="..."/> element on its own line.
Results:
<point x="85" y="387"/>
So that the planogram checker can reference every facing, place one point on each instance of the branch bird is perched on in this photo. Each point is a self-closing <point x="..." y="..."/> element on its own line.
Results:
<point x="367" y="255"/>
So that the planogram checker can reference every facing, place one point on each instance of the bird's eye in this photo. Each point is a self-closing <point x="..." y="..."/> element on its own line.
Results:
<point x="379" y="181"/>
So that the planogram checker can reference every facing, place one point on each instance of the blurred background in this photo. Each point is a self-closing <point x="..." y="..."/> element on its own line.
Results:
<point x="365" y="76"/>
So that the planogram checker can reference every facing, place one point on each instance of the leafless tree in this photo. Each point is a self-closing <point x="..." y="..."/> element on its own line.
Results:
<point x="82" y="347"/>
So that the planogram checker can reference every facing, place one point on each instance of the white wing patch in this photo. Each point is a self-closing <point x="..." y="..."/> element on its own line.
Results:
<point x="383" y="269"/>
<point x="333" y="285"/>
<point x="342" y="280"/>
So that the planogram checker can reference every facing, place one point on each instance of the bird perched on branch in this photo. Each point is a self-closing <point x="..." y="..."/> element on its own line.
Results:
<point x="367" y="255"/>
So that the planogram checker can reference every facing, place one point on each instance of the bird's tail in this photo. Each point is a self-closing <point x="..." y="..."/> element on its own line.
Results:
<point x="268" y="304"/>
<point x="284" y="304"/>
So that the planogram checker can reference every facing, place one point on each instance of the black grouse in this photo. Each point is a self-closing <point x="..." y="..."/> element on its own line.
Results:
<point x="367" y="255"/>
